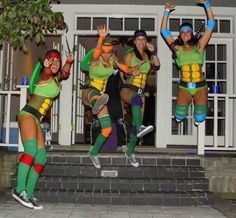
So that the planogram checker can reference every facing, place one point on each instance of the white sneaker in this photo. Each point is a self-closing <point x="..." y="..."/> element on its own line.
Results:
<point x="22" y="198"/>
<point x="35" y="203"/>
<point x="95" y="160"/>
<point x="144" y="130"/>
<point x="100" y="103"/>
<point x="132" y="160"/>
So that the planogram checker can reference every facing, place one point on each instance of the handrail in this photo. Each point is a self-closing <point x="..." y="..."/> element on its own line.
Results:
<point x="228" y="140"/>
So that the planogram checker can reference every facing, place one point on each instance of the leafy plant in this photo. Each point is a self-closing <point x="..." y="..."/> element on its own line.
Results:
<point x="21" y="20"/>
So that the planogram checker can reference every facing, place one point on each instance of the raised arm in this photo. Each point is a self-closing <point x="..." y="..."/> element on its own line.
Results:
<point x="102" y="32"/>
<point x="65" y="71"/>
<point x="210" y="23"/>
<point x="165" y="32"/>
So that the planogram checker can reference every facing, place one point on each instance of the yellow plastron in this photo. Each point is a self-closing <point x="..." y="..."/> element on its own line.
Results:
<point x="191" y="73"/>
<point x="140" y="80"/>
<point x="99" y="84"/>
<point x="45" y="106"/>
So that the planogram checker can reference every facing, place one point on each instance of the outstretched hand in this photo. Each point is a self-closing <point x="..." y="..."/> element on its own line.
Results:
<point x="47" y="63"/>
<point x="102" y="30"/>
<point x="169" y="6"/>
<point x="70" y="57"/>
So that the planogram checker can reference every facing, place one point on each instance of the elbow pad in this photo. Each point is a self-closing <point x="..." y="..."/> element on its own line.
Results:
<point x="211" y="24"/>
<point x="165" y="33"/>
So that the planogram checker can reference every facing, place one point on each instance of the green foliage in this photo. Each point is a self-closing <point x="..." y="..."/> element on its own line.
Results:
<point x="21" y="20"/>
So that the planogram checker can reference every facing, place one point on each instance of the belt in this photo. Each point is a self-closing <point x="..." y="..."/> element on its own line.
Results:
<point x="192" y="85"/>
<point x="134" y="88"/>
<point x="33" y="111"/>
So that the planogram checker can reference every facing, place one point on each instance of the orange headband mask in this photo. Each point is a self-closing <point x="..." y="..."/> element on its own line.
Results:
<point x="107" y="48"/>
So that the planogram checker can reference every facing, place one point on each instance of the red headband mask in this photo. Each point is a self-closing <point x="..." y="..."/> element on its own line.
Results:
<point x="53" y="54"/>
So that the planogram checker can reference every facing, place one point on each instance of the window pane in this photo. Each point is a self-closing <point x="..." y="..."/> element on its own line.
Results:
<point x="197" y="23"/>
<point x="210" y="52"/>
<point x="221" y="52"/>
<point x="216" y="26"/>
<point x="131" y="24"/>
<point x="187" y="21"/>
<point x="83" y="23"/>
<point x="221" y="70"/>
<point x="174" y="89"/>
<point x="175" y="73"/>
<point x="225" y="26"/>
<point x="210" y="70"/>
<point x="97" y="21"/>
<point x="115" y="23"/>
<point x="148" y="24"/>
<point x="223" y="88"/>
<point x="174" y="24"/>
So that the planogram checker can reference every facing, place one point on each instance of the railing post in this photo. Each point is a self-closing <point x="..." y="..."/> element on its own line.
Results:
<point x="201" y="138"/>
<point x="23" y="100"/>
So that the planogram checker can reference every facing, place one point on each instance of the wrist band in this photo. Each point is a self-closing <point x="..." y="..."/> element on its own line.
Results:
<point x="166" y="33"/>
<point x="69" y="62"/>
<point x="166" y="13"/>
<point x="211" y="24"/>
<point x="207" y="4"/>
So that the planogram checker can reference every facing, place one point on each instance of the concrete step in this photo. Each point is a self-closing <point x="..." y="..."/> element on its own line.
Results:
<point x="121" y="184"/>
<point x="126" y="197"/>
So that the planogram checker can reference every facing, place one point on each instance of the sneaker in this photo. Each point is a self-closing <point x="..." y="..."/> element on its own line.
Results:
<point x="132" y="160"/>
<point x="22" y="198"/>
<point x="95" y="160"/>
<point x="35" y="203"/>
<point x="144" y="130"/>
<point x="100" y="103"/>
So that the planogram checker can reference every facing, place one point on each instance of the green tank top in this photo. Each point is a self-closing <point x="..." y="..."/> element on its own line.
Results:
<point x="189" y="57"/>
<point x="50" y="90"/>
<point x="100" y="72"/>
<point x="140" y="80"/>
<point x="144" y="68"/>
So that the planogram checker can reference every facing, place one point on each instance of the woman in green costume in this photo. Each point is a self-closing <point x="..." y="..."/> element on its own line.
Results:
<point x="102" y="65"/>
<point x="189" y="52"/>
<point x="33" y="160"/>
<point x="132" y="92"/>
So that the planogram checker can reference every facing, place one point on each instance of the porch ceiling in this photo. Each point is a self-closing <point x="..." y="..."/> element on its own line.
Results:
<point x="225" y="3"/>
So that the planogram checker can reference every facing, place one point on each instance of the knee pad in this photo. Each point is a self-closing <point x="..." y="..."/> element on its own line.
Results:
<point x="200" y="112"/>
<point x="40" y="160"/>
<point x="106" y="131"/>
<point x="137" y="100"/>
<point x="181" y="112"/>
<point x="30" y="151"/>
<point x="105" y="123"/>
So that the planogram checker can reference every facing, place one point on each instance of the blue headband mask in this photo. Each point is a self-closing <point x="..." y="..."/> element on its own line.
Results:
<point x="185" y="29"/>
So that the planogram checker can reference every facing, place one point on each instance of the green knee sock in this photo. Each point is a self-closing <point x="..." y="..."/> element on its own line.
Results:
<point x="132" y="144"/>
<point x="30" y="148"/>
<point x="137" y="116"/>
<point x="40" y="158"/>
<point x="105" y="122"/>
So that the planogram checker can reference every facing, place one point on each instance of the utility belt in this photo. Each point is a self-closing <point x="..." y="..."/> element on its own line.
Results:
<point x="134" y="88"/>
<point x="193" y="85"/>
<point x="33" y="111"/>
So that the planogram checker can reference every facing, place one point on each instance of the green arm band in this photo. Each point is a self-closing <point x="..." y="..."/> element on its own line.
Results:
<point x="34" y="77"/>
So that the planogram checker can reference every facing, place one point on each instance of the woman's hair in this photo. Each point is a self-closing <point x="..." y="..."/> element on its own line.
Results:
<point x="194" y="39"/>
<point x="138" y="33"/>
